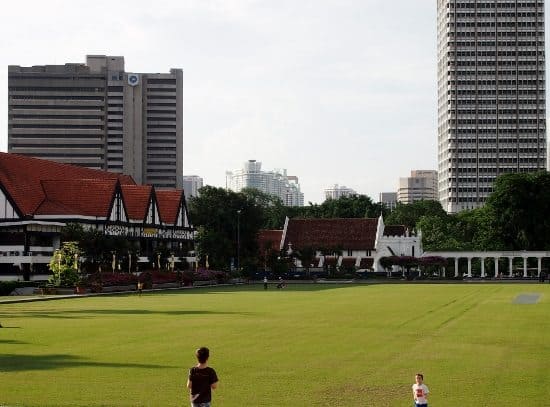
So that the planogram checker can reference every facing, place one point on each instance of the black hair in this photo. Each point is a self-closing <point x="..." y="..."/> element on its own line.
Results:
<point x="202" y="354"/>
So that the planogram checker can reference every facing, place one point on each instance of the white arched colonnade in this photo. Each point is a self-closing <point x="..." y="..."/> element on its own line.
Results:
<point x="496" y="255"/>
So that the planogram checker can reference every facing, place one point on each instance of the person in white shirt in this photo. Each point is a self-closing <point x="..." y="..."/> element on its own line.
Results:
<point x="420" y="391"/>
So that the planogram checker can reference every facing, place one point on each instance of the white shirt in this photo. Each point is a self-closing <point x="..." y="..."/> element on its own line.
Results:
<point x="420" y="391"/>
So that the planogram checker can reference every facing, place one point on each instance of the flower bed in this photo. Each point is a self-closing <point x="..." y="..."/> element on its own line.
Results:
<point x="150" y="278"/>
<point x="112" y="279"/>
<point x="207" y="275"/>
<point x="159" y="277"/>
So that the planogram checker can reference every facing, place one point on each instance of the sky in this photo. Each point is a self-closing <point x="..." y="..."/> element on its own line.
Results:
<point x="339" y="91"/>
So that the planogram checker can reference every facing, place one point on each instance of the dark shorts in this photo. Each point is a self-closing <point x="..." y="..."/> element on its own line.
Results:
<point x="420" y="405"/>
<point x="200" y="404"/>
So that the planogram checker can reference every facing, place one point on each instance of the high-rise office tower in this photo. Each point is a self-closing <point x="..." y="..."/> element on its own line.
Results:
<point x="191" y="185"/>
<point x="421" y="185"/>
<point x="491" y="95"/>
<point x="99" y="116"/>
<point x="388" y="199"/>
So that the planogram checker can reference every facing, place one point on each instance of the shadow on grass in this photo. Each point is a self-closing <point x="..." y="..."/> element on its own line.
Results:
<point x="72" y="314"/>
<point x="258" y="286"/>
<point x="12" y="342"/>
<point x="18" y="363"/>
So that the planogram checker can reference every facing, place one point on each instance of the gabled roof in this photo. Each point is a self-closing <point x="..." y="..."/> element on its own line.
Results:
<point x="136" y="198"/>
<point x="21" y="176"/>
<point x="85" y="197"/>
<point x="344" y="233"/>
<point x="169" y="202"/>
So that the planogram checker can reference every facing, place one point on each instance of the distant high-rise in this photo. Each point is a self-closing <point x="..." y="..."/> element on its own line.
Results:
<point x="421" y="185"/>
<point x="337" y="191"/>
<point x="276" y="182"/>
<point x="191" y="185"/>
<point x="491" y="95"/>
<point x="388" y="199"/>
<point x="99" y="116"/>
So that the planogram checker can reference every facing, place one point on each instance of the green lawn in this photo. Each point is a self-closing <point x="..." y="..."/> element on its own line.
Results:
<point x="303" y="346"/>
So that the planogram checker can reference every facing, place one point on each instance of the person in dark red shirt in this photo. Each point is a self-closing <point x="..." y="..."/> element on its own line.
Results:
<point x="202" y="380"/>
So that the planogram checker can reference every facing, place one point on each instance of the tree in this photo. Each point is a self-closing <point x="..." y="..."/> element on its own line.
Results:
<point x="405" y="262"/>
<point x="520" y="212"/>
<point x="306" y="255"/>
<point x="410" y="214"/>
<point x="227" y="225"/>
<point x="98" y="248"/>
<point x="64" y="265"/>
<point x="355" y="206"/>
<point x="475" y="230"/>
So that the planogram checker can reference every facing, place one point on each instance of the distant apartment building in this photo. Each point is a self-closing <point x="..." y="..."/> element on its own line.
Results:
<point x="338" y="191"/>
<point x="421" y="185"/>
<point x="97" y="115"/>
<point x="388" y="199"/>
<point x="275" y="182"/>
<point x="491" y="95"/>
<point x="191" y="185"/>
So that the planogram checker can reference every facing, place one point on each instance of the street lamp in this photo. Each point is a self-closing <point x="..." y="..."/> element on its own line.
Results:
<point x="238" y="239"/>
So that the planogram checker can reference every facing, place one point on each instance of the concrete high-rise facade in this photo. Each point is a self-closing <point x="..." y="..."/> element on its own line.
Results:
<point x="191" y="185"/>
<point x="338" y="191"/>
<point x="276" y="182"/>
<point x="421" y="185"/>
<point x="99" y="116"/>
<point x="491" y="95"/>
<point x="388" y="199"/>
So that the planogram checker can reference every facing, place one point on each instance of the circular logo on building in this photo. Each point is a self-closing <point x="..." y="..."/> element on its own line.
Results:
<point x="133" y="79"/>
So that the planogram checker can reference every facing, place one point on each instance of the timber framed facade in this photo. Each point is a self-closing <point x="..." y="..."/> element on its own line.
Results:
<point x="38" y="198"/>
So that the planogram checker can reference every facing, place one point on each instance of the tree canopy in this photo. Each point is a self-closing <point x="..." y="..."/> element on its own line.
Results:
<point x="520" y="210"/>
<point x="516" y="217"/>
<point x="410" y="214"/>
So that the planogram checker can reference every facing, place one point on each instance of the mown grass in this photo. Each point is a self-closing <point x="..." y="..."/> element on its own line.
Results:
<point x="308" y="345"/>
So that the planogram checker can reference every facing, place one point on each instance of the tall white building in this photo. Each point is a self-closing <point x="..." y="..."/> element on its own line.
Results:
<point x="491" y="95"/>
<point x="421" y="185"/>
<point x="275" y="182"/>
<point x="337" y="191"/>
<point x="191" y="185"/>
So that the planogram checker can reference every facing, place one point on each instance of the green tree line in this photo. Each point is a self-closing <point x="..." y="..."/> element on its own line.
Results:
<point x="516" y="216"/>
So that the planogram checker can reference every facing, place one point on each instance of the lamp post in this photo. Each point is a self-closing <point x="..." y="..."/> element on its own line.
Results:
<point x="238" y="240"/>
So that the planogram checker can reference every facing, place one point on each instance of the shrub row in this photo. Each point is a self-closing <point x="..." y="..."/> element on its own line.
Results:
<point x="6" y="287"/>
<point x="107" y="279"/>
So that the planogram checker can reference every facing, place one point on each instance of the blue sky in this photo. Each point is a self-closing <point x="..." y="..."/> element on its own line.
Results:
<point x="334" y="91"/>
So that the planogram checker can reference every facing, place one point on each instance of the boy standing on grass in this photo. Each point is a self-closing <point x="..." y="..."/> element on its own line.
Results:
<point x="420" y="391"/>
<point x="202" y="380"/>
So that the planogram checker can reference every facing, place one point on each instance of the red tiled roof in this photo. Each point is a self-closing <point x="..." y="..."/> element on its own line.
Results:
<point x="169" y="204"/>
<point x="343" y="233"/>
<point x="22" y="176"/>
<point x="86" y="197"/>
<point x="394" y="230"/>
<point x="136" y="200"/>
<point x="269" y="239"/>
